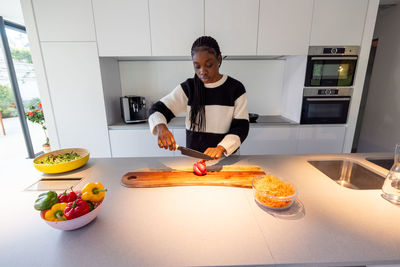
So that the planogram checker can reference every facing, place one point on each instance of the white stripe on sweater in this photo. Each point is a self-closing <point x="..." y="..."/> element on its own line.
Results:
<point x="176" y="101"/>
<point x="155" y="119"/>
<point x="241" y="108"/>
<point x="230" y="142"/>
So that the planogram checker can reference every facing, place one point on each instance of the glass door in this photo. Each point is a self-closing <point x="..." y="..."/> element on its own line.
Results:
<point x="19" y="96"/>
<point x="330" y="71"/>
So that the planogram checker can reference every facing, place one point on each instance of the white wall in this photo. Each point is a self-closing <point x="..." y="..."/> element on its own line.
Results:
<point x="153" y="79"/>
<point x="360" y="74"/>
<point x="380" y="130"/>
<point x="112" y="88"/>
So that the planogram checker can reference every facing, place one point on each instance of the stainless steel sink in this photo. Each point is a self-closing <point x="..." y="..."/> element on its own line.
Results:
<point x="384" y="163"/>
<point x="349" y="174"/>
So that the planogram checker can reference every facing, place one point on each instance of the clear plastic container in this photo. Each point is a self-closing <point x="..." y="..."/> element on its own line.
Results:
<point x="391" y="186"/>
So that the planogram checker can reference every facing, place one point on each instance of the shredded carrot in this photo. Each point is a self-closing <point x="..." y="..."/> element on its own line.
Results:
<point x="272" y="186"/>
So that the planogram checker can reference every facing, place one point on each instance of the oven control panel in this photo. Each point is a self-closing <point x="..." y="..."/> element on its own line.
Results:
<point x="328" y="91"/>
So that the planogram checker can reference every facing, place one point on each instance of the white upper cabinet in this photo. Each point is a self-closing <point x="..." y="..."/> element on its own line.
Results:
<point x="339" y="22"/>
<point x="233" y="23"/>
<point x="64" y="20"/>
<point x="284" y="27"/>
<point x="175" y="25"/>
<point x="122" y="27"/>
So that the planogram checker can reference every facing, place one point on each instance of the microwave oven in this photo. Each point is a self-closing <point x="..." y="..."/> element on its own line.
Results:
<point x="325" y="106"/>
<point x="133" y="109"/>
<point x="331" y="66"/>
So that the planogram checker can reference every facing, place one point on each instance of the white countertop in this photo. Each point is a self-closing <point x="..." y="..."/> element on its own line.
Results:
<point x="202" y="225"/>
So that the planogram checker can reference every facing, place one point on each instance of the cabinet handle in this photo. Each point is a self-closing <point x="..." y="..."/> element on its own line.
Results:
<point x="328" y="99"/>
<point x="334" y="58"/>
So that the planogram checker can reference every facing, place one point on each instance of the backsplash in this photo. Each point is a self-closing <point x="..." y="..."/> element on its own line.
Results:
<point x="154" y="79"/>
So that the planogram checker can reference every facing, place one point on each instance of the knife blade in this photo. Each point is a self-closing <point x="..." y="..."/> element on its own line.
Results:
<point x="192" y="153"/>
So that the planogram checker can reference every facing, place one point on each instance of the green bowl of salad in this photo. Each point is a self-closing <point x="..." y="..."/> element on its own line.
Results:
<point x="62" y="160"/>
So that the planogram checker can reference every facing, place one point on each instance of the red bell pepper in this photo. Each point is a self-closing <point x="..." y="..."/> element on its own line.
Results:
<point x="64" y="197"/>
<point x="199" y="168"/>
<point x="76" y="209"/>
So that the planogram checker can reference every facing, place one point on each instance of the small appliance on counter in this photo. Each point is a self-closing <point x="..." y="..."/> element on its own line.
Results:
<point x="133" y="109"/>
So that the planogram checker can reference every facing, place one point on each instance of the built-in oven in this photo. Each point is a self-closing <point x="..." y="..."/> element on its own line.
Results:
<point x="331" y="66"/>
<point x="325" y="105"/>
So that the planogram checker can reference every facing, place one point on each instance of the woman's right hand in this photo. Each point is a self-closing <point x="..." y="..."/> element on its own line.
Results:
<point x="165" y="138"/>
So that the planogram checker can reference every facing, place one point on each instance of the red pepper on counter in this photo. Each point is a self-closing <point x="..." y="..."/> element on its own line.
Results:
<point x="76" y="209"/>
<point x="66" y="198"/>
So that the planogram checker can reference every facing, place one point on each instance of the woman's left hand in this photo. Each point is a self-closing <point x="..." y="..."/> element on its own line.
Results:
<point x="215" y="152"/>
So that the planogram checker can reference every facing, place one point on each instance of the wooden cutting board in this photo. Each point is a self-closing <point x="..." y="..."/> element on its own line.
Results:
<point x="236" y="176"/>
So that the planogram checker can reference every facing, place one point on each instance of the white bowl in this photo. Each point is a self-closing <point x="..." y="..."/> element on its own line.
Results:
<point x="77" y="222"/>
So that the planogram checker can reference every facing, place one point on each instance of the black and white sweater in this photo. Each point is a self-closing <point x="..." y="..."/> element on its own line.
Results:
<point x="227" y="120"/>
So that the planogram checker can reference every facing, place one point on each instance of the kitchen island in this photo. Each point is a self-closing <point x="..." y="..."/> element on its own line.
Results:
<point x="203" y="225"/>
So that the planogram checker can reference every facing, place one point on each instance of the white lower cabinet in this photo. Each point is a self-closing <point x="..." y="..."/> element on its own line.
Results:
<point x="291" y="139"/>
<point x="315" y="139"/>
<point x="180" y="138"/>
<point x="136" y="143"/>
<point x="141" y="143"/>
<point x="270" y="140"/>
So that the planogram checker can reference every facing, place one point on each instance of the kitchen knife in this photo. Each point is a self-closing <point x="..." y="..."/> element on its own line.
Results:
<point x="192" y="153"/>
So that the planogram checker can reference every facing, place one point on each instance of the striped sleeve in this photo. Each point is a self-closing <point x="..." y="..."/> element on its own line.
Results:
<point x="239" y="128"/>
<point x="167" y="108"/>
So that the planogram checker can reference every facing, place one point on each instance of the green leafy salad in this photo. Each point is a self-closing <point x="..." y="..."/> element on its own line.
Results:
<point x="55" y="159"/>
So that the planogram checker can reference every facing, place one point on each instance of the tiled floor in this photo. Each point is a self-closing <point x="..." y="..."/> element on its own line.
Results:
<point x="12" y="145"/>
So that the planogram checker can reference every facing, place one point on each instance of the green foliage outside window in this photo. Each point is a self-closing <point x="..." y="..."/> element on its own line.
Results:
<point x="7" y="102"/>
<point x="21" y="55"/>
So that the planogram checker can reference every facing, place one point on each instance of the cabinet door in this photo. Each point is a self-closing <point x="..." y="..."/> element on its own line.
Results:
<point x="320" y="139"/>
<point x="175" y="25"/>
<point x="180" y="136"/>
<point x="284" y="27"/>
<point x="74" y="79"/>
<point x="271" y="140"/>
<point x="180" y="139"/>
<point x="339" y="22"/>
<point x="64" y="20"/>
<point x="233" y="23"/>
<point x="122" y="27"/>
<point x="136" y="143"/>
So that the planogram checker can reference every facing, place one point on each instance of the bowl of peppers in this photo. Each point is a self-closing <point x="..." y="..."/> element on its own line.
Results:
<point x="71" y="210"/>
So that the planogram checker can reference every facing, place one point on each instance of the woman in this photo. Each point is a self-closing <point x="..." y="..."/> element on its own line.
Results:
<point x="216" y="106"/>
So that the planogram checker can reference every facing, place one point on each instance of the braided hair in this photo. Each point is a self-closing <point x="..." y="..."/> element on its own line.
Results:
<point x="197" y="112"/>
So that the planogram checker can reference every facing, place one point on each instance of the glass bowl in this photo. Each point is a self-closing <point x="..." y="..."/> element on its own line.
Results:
<point x="77" y="222"/>
<point x="270" y="201"/>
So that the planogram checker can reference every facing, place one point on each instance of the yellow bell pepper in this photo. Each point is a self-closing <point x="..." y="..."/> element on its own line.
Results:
<point x="93" y="192"/>
<point x="56" y="213"/>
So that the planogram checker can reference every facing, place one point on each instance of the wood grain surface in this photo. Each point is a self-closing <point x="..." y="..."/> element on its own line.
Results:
<point x="236" y="176"/>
